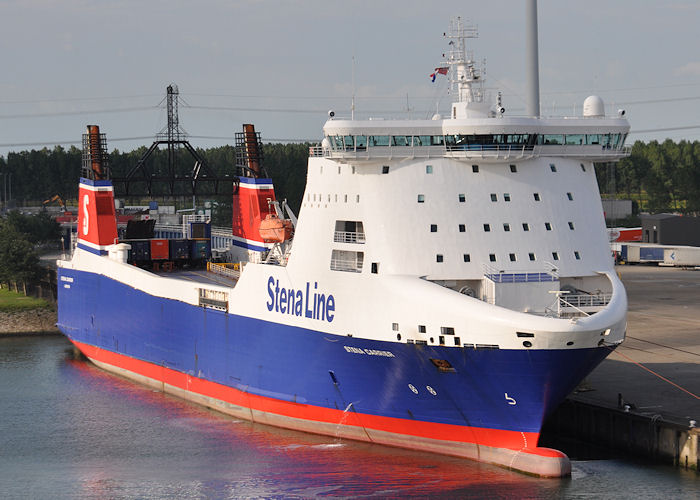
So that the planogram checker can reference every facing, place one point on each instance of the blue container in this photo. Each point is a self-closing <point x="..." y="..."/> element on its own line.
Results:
<point x="140" y="250"/>
<point x="179" y="249"/>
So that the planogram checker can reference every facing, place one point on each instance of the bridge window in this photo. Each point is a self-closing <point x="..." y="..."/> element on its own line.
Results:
<point x="378" y="140"/>
<point x="361" y="142"/>
<point x="475" y="169"/>
<point x="513" y="168"/>
<point x="574" y="139"/>
<point x="400" y="140"/>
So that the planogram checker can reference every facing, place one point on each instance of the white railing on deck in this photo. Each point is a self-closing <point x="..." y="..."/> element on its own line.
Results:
<point x="349" y="237"/>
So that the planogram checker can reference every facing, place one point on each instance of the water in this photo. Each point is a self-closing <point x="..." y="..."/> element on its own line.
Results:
<point x="70" y="430"/>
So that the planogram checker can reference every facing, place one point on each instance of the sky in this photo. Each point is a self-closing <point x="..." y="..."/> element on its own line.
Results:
<point x="282" y="64"/>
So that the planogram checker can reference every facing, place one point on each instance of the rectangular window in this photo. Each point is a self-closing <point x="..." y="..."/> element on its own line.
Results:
<point x="506" y="196"/>
<point x="421" y="328"/>
<point x="428" y="169"/>
<point x="441" y="339"/>
<point x="439" y="258"/>
<point x="555" y="255"/>
<point x="536" y="196"/>
<point x="462" y="198"/>
<point x="571" y="225"/>
<point x="475" y="168"/>
<point x="487" y="227"/>
<point x="378" y="140"/>
<point x="577" y="255"/>
<point x="583" y="167"/>
<point x="421" y="198"/>
<point x="343" y="260"/>
<point x="466" y="257"/>
<point x="447" y="330"/>
<point x="462" y="228"/>
<point x="492" y="257"/>
<point x="531" y="256"/>
<point x="512" y="257"/>
<point x="433" y="228"/>
<point x="526" y="226"/>
<point x="513" y="168"/>
<point x="385" y="169"/>
<point x="494" y="197"/>
<point x="548" y="226"/>
<point x="570" y="196"/>
<point x="375" y="267"/>
<point x="553" y="167"/>
<point x="506" y="227"/>
<point x="457" y="341"/>
<point x="395" y="327"/>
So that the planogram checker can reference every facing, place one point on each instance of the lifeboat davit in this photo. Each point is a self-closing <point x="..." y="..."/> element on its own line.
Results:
<point x="275" y="230"/>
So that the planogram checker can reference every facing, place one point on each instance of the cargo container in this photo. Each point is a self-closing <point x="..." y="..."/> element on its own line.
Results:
<point x="200" y="230"/>
<point x="200" y="249"/>
<point x="140" y="250"/>
<point x="159" y="250"/>
<point x="651" y="254"/>
<point x="179" y="250"/>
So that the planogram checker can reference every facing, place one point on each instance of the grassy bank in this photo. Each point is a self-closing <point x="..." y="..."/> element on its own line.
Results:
<point x="11" y="301"/>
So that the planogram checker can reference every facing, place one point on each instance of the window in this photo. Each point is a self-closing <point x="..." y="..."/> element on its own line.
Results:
<point x="421" y="328"/>
<point x="339" y="169"/>
<point x="343" y="260"/>
<point x="555" y="255"/>
<point x="492" y="257"/>
<point x="583" y="167"/>
<point x="506" y="196"/>
<point x="433" y="228"/>
<point x="447" y="330"/>
<point x="353" y="169"/>
<point x="385" y="169"/>
<point x="548" y="226"/>
<point x="526" y="226"/>
<point x="475" y="169"/>
<point x="466" y="257"/>
<point x="536" y="196"/>
<point x="421" y="198"/>
<point x="357" y="199"/>
<point x="577" y="255"/>
<point x="531" y="256"/>
<point x="428" y="169"/>
<point x="494" y="197"/>
<point x="336" y="198"/>
<point x="439" y="258"/>
<point x="570" y="196"/>
<point x="462" y="228"/>
<point x="513" y="168"/>
<point x="506" y="227"/>
<point x="487" y="227"/>
<point x="395" y="327"/>
<point x="462" y="198"/>
<point x="571" y="225"/>
<point x="441" y="339"/>
<point x="375" y="267"/>
<point x="512" y="257"/>
<point x="553" y="167"/>
<point x="349" y="231"/>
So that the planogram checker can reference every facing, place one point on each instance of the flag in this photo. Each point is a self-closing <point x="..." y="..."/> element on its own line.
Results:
<point x="438" y="71"/>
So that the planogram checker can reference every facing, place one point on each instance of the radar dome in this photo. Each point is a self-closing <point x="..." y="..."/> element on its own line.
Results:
<point x="593" y="106"/>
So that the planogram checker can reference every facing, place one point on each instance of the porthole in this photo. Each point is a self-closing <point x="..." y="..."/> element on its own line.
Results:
<point x="398" y="336"/>
<point x="527" y="343"/>
<point x="570" y="342"/>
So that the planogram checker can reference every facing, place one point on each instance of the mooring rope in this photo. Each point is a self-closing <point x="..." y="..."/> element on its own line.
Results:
<point x="654" y="373"/>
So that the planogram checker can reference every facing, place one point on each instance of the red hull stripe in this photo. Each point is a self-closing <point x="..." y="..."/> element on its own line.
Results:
<point x="514" y="440"/>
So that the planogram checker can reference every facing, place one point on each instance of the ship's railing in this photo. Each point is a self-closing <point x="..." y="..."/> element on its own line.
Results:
<point x="572" y="305"/>
<point x="349" y="237"/>
<point x="229" y="270"/>
<point x="475" y="151"/>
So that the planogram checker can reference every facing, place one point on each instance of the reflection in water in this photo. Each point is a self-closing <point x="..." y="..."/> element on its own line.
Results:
<point x="71" y="430"/>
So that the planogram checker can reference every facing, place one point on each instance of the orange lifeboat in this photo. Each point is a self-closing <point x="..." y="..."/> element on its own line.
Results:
<point x="275" y="230"/>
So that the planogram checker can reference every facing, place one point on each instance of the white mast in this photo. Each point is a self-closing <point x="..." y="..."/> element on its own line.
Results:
<point x="533" y="65"/>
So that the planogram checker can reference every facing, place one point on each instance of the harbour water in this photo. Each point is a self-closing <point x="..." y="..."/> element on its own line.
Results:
<point x="70" y="430"/>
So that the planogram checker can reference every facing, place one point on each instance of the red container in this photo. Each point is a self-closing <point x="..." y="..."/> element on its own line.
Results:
<point x="159" y="250"/>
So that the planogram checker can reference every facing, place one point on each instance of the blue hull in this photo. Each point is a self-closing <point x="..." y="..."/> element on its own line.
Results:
<point x="511" y="390"/>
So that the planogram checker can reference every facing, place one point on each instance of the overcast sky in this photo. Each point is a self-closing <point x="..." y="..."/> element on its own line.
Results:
<point x="283" y="64"/>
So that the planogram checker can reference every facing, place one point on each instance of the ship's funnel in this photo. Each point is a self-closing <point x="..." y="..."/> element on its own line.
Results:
<point x="533" y="65"/>
<point x="95" y="152"/>
<point x="251" y="148"/>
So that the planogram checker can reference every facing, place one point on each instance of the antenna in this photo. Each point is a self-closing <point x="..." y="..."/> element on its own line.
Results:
<point x="533" y="65"/>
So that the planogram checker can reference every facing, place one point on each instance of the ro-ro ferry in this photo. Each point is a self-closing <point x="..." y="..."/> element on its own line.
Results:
<point x="447" y="284"/>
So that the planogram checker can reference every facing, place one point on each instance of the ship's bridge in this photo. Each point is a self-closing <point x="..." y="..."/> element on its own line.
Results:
<point x="486" y="139"/>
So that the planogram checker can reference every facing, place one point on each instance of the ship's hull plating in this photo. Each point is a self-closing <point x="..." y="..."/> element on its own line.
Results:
<point x="489" y="406"/>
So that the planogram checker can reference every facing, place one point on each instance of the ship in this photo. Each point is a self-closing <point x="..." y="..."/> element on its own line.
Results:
<point x="448" y="281"/>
